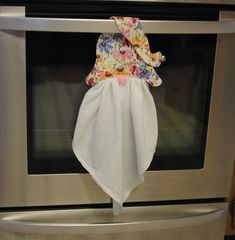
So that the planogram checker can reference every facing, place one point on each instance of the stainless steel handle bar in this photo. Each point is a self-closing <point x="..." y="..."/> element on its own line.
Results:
<point x="21" y="23"/>
<point x="16" y="224"/>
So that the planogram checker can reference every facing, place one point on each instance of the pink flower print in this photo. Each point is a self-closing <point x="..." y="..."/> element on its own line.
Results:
<point x="137" y="56"/>
<point x="124" y="54"/>
<point x="94" y="70"/>
<point x="126" y="43"/>
<point x="126" y="32"/>
<point x="131" y="22"/>
<point x="91" y="81"/>
<point x="133" y="69"/>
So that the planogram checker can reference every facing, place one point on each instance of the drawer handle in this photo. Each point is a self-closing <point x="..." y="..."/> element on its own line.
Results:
<point x="14" y="224"/>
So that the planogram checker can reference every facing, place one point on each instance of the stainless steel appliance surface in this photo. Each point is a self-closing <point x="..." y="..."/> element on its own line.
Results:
<point x="198" y="221"/>
<point x="45" y="54"/>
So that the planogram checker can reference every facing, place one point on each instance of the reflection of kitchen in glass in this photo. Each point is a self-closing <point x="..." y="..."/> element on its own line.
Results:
<point x="56" y="90"/>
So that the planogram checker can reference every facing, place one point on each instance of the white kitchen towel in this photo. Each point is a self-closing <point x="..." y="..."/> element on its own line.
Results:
<point x="116" y="135"/>
<point x="116" y="131"/>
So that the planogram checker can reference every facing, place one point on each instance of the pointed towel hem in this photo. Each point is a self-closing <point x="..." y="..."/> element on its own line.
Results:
<point x="99" y="181"/>
<point x="114" y="196"/>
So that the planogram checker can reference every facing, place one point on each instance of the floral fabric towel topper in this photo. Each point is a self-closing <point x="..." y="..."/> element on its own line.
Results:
<point x="126" y="54"/>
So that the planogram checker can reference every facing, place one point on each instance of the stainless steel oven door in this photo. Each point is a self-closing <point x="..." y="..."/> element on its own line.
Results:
<point x="23" y="189"/>
<point x="20" y="188"/>
<point x="213" y="180"/>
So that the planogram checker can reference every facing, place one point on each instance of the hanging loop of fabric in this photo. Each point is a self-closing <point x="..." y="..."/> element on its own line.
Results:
<point x="133" y="32"/>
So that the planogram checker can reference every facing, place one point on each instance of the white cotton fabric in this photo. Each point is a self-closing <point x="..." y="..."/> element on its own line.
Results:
<point x="116" y="135"/>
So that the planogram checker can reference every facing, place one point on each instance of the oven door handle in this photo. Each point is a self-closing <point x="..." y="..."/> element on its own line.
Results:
<point x="21" y="23"/>
<point x="19" y="224"/>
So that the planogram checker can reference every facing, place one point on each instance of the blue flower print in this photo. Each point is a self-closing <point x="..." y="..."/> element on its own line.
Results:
<point x="144" y="73"/>
<point x="105" y="45"/>
<point x="118" y="37"/>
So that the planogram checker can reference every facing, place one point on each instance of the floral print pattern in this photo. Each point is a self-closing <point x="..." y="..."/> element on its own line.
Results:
<point x="125" y="54"/>
<point x="104" y="44"/>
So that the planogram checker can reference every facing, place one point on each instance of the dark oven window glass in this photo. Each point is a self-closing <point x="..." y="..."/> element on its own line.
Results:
<point x="57" y="64"/>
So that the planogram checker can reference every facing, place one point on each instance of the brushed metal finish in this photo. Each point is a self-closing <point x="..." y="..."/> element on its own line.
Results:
<point x="210" y="231"/>
<point x="94" y="221"/>
<point x="102" y="25"/>
<point x="17" y="188"/>
<point x="20" y="189"/>
<point x="214" y="179"/>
